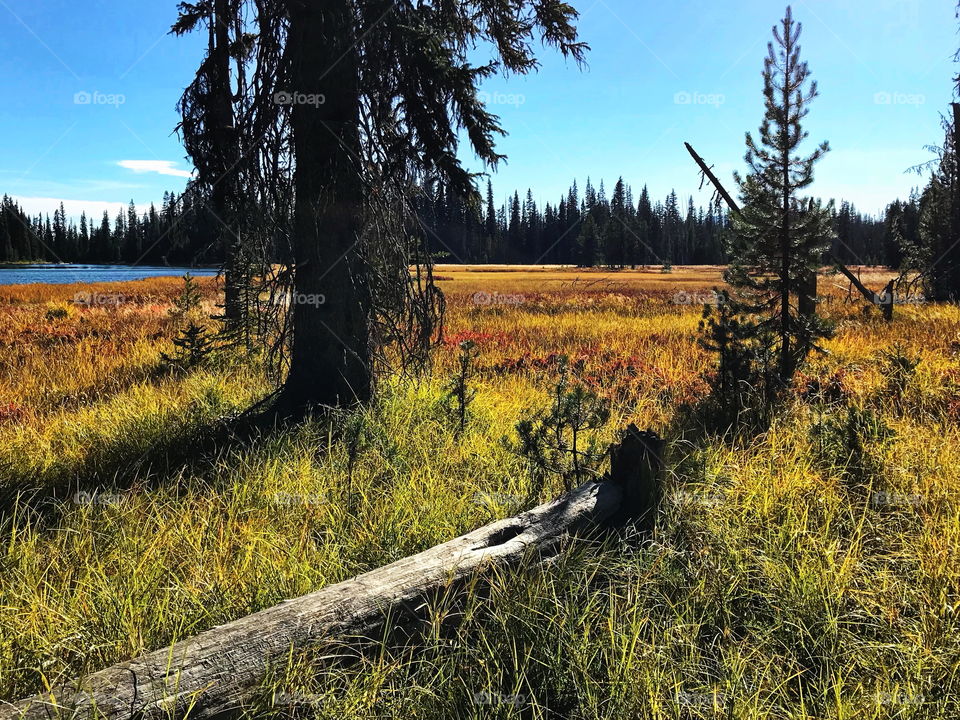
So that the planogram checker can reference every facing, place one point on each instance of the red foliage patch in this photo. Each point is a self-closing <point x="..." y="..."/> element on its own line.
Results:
<point x="529" y="362"/>
<point x="475" y="337"/>
<point x="11" y="412"/>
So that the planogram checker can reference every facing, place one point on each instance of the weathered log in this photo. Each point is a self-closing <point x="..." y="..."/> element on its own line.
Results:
<point x="731" y="203"/>
<point x="868" y="294"/>
<point x="212" y="674"/>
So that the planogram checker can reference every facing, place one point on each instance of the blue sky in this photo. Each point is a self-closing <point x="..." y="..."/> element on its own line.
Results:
<point x="90" y="91"/>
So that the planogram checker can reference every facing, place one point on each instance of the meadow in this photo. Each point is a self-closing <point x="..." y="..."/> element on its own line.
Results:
<point x="811" y="571"/>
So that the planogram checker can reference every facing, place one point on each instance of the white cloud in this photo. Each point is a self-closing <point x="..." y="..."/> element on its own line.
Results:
<point x="33" y="206"/>
<point x="163" y="167"/>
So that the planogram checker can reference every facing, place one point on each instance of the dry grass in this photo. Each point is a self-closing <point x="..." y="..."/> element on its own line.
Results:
<point x="808" y="572"/>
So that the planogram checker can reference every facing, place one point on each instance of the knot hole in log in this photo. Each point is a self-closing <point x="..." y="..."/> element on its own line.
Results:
<point x="502" y="535"/>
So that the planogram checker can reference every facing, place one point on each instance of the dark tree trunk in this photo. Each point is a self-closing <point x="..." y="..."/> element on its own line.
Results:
<point x="330" y="357"/>
<point x="951" y="259"/>
<point x="223" y="199"/>
<point x="807" y="291"/>
<point x="787" y="364"/>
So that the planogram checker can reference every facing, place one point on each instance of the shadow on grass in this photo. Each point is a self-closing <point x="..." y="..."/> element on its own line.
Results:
<point x="188" y="448"/>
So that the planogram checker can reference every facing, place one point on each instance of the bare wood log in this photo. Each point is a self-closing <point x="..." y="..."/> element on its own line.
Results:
<point x="731" y="203"/>
<point x="213" y="673"/>
<point x="808" y="291"/>
<point x="871" y="296"/>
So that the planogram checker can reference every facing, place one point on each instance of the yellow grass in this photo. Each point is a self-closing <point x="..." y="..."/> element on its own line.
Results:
<point x="792" y="575"/>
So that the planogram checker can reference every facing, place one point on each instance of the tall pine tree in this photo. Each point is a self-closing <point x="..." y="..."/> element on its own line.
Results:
<point x="780" y="237"/>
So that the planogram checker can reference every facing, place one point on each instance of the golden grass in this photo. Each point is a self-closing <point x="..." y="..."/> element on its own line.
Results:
<point x="804" y="573"/>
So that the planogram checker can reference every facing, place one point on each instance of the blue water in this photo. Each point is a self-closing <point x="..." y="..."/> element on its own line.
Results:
<point x="63" y="274"/>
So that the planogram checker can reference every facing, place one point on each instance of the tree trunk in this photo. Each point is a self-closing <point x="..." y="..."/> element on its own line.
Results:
<point x="330" y="356"/>
<point x="952" y="255"/>
<point x="224" y="194"/>
<point x="807" y="292"/>
<point x="217" y="671"/>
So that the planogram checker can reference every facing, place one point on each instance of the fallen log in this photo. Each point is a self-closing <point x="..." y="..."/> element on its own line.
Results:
<point x="212" y="674"/>
<point x="885" y="301"/>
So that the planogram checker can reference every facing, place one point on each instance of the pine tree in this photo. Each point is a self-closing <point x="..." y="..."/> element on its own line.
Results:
<point x="531" y="229"/>
<point x="617" y="229"/>
<point x="209" y="130"/>
<point x="400" y="87"/>
<point x="780" y="237"/>
<point x="131" y="237"/>
<point x="192" y="347"/>
<point x="587" y="242"/>
<point x="936" y="254"/>
<point x="490" y="226"/>
<point x="6" y="244"/>
<point x="83" y="239"/>
<point x="59" y="245"/>
<point x="103" y="253"/>
<point x="515" y="229"/>
<point x="672" y="229"/>
<point x="645" y="227"/>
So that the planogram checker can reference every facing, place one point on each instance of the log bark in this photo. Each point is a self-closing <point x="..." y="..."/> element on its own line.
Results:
<point x="212" y="674"/>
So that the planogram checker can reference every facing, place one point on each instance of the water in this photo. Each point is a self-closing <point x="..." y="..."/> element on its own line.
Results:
<point x="63" y="274"/>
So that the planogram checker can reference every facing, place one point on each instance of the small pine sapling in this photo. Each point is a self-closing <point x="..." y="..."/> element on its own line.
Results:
<point x="187" y="304"/>
<point x="192" y="348"/>
<point x="563" y="441"/>
<point x="459" y="395"/>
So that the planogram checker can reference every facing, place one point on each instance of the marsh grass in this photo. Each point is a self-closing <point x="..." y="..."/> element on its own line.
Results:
<point x="806" y="572"/>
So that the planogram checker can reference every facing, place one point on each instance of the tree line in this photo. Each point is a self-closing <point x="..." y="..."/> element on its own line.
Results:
<point x="593" y="230"/>
<point x="180" y="232"/>
<point x="343" y="191"/>
<point x="587" y="230"/>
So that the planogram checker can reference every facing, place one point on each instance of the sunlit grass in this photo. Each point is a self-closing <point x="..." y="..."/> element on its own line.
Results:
<point x="789" y="576"/>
